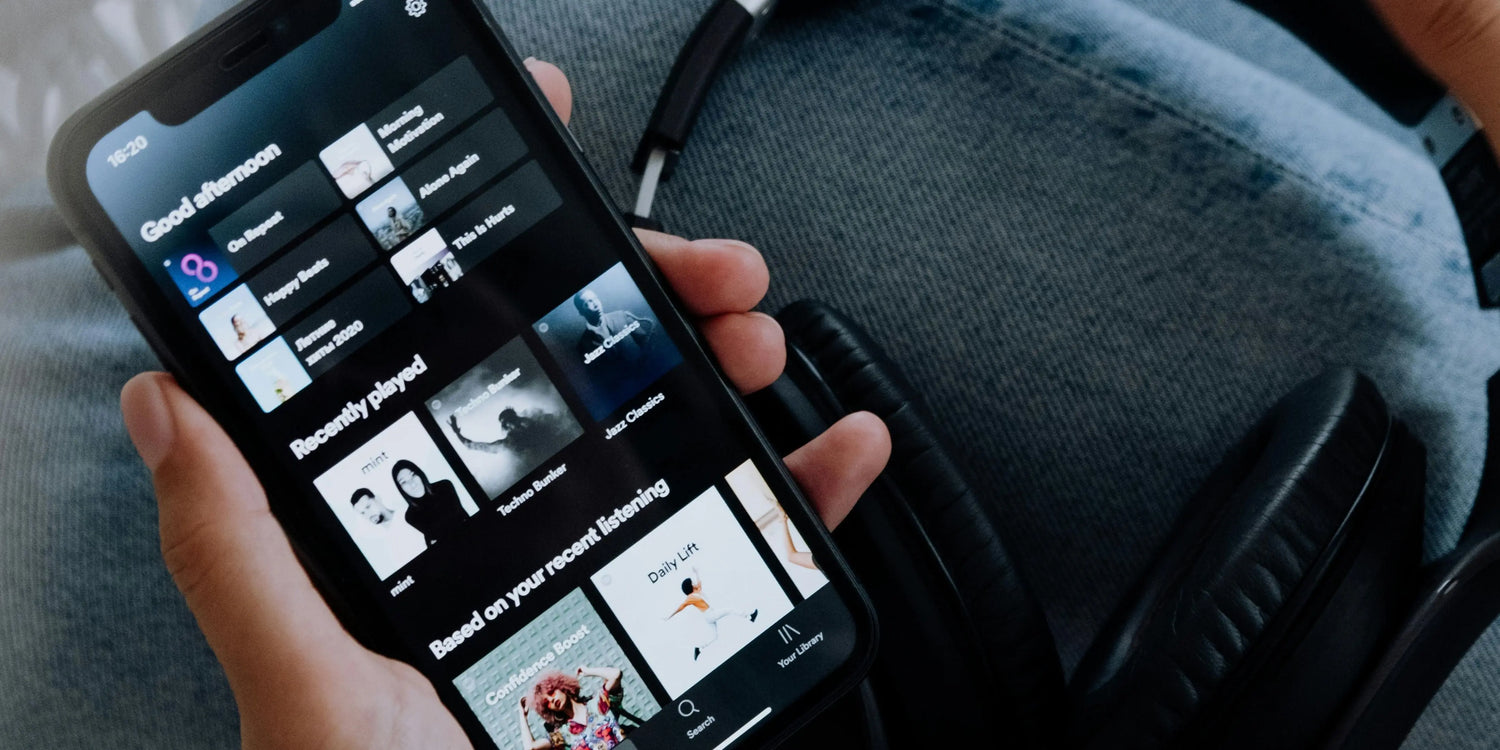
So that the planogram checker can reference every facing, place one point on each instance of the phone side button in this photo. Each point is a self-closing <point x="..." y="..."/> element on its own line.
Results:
<point x="574" y="139"/>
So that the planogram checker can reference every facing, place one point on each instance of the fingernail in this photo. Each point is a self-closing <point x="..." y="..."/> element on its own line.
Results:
<point x="148" y="419"/>
<point x="528" y="62"/>
<point x="730" y="245"/>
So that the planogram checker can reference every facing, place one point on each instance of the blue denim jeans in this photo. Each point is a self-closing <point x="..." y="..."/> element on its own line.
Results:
<point x="1099" y="241"/>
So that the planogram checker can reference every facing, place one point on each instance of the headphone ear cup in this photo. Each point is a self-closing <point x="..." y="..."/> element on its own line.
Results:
<point x="1283" y="574"/>
<point x="1005" y="615"/>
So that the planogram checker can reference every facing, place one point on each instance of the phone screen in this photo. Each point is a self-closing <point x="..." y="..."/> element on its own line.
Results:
<point x="411" y="302"/>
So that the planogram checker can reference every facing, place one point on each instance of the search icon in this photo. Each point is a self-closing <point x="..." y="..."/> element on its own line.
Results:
<point x="686" y="709"/>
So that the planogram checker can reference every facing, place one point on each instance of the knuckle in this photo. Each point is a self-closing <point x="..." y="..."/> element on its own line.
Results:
<point x="204" y="555"/>
<point x="191" y="556"/>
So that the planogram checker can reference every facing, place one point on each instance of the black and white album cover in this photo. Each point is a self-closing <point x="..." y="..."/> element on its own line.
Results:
<point x="396" y="496"/>
<point x="504" y="418"/>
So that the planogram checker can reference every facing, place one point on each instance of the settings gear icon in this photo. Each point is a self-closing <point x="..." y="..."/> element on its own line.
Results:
<point x="415" y="8"/>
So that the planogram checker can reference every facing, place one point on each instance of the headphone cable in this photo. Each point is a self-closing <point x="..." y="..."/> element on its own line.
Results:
<point x="724" y="29"/>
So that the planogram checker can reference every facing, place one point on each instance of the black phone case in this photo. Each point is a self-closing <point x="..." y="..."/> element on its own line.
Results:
<point x="334" y="576"/>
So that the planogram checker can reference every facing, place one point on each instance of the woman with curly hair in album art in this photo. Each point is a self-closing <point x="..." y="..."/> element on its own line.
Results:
<point x="574" y="722"/>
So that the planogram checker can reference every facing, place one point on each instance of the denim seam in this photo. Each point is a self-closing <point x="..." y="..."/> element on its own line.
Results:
<point x="1028" y="45"/>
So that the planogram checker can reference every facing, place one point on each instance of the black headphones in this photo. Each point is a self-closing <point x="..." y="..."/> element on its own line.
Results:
<point x="724" y="30"/>
<point x="1289" y="608"/>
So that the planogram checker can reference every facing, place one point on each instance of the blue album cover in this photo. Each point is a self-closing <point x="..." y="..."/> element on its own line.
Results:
<point x="608" y="342"/>
<point x="200" y="273"/>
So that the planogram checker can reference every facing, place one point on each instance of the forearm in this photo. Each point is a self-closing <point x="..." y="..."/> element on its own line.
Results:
<point x="475" y="445"/>
<point x="528" y="740"/>
<point x="610" y="675"/>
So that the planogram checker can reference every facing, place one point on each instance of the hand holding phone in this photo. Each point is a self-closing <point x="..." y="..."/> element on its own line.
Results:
<point x="298" y="676"/>
<point x="418" y="335"/>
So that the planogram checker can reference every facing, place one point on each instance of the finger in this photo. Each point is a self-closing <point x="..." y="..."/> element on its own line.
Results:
<point x="838" y="466"/>
<point x="711" y="276"/>
<point x="750" y="346"/>
<point x="1459" y="41"/>
<point x="227" y="554"/>
<point x="555" y="85"/>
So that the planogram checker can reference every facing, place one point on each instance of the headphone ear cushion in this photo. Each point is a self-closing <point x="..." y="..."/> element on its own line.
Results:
<point x="1247" y="571"/>
<point x="1004" y="612"/>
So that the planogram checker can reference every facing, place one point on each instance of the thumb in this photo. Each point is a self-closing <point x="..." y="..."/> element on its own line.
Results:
<point x="1458" y="41"/>
<point x="227" y="554"/>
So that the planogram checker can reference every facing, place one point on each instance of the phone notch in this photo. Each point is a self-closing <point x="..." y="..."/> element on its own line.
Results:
<point x="252" y="39"/>
<point x="245" y="50"/>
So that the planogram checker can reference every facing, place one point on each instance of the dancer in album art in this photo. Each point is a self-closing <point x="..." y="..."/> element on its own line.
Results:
<point x="777" y="517"/>
<point x="531" y="437"/>
<point x="692" y="592"/>
<point x="692" y="588"/>
<point x="575" y="722"/>
<point x="778" y="531"/>
<point x="504" y="417"/>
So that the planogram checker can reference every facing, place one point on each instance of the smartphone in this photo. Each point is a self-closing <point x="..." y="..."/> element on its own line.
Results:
<point x="358" y="235"/>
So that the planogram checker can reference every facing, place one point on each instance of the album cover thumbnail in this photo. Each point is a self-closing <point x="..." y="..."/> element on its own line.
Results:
<point x="608" y="341"/>
<point x="273" y="375"/>
<point x="692" y="592"/>
<point x="562" y="681"/>
<point x="237" y="322"/>
<point x="504" y="418"/>
<point x="356" y="161"/>
<point x="783" y="537"/>
<point x="426" y="265"/>
<point x="200" y="273"/>
<point x="391" y="214"/>
<point x="396" y="496"/>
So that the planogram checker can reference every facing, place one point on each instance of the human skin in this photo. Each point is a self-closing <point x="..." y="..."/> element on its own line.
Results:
<point x="1459" y="42"/>
<point x="299" y="679"/>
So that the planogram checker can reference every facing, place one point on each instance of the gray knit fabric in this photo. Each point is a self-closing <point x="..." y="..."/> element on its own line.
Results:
<point x="1101" y="237"/>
